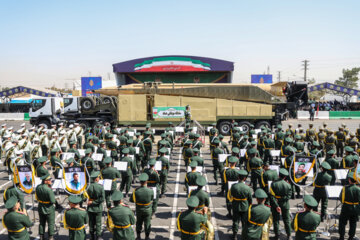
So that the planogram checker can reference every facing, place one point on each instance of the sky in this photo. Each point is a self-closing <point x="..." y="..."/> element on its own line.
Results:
<point x="45" y="43"/>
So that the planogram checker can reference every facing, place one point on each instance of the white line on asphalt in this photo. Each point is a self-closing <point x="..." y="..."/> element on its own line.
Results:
<point x="174" y="209"/>
<point x="5" y="184"/>
<point x="213" y="218"/>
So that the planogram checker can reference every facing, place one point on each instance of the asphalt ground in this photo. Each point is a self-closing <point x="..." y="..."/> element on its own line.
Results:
<point x="164" y="222"/>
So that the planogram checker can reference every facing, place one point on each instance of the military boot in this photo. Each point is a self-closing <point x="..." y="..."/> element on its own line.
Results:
<point x="51" y="238"/>
<point x="99" y="238"/>
<point x="41" y="237"/>
<point x="234" y="236"/>
<point x="138" y="236"/>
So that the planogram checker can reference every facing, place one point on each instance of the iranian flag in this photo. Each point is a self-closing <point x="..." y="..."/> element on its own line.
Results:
<point x="172" y="64"/>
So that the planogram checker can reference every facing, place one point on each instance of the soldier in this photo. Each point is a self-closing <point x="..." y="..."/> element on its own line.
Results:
<point x="101" y="150"/>
<point x="25" y="146"/>
<point x="334" y="164"/>
<point x="197" y="158"/>
<point x="190" y="177"/>
<point x="96" y="197"/>
<point x="204" y="200"/>
<point x="230" y="174"/>
<point x="16" y="221"/>
<point x="55" y="161"/>
<point x="330" y="141"/>
<point x="280" y="193"/>
<point x="126" y="176"/>
<point x="164" y="170"/>
<point x="217" y="166"/>
<point x="109" y="173"/>
<point x="41" y="170"/>
<point x="346" y="130"/>
<point x="63" y="141"/>
<point x="54" y="143"/>
<point x="306" y="222"/>
<point x="122" y="218"/>
<point x="267" y="175"/>
<point x="73" y="149"/>
<point x="350" y="198"/>
<point x="310" y="133"/>
<point x="254" y="165"/>
<point x="348" y="160"/>
<point x="46" y="198"/>
<point x="257" y="216"/>
<point x="13" y="192"/>
<point x="89" y="144"/>
<point x="148" y="144"/>
<point x="340" y="141"/>
<point x="72" y="135"/>
<point x="240" y="195"/>
<point x="187" y="114"/>
<point x="79" y="131"/>
<point x="352" y="142"/>
<point x="321" y="137"/>
<point x="51" y="131"/>
<point x="189" y="222"/>
<point x="75" y="219"/>
<point x="153" y="182"/>
<point x="323" y="179"/>
<point x="268" y="144"/>
<point x="35" y="152"/>
<point x="213" y="133"/>
<point x="291" y="130"/>
<point x="44" y="142"/>
<point x="88" y="161"/>
<point x="223" y="144"/>
<point x="143" y="198"/>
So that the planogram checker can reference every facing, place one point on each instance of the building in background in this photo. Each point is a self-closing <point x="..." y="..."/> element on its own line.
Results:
<point x="173" y="69"/>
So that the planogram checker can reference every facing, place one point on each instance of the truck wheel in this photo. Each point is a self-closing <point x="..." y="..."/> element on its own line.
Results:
<point x="224" y="128"/>
<point x="45" y="122"/>
<point x="87" y="103"/>
<point x="107" y="100"/>
<point x="245" y="125"/>
<point x="263" y="123"/>
<point x="84" y="124"/>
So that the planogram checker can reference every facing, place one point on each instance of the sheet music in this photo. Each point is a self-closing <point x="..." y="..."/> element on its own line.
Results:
<point x="97" y="156"/>
<point x="131" y="134"/>
<point x="108" y="153"/>
<point x="169" y="151"/>
<point x="341" y="173"/>
<point x="158" y="165"/>
<point x="275" y="167"/>
<point x="172" y="133"/>
<point x="198" y="169"/>
<point x="254" y="136"/>
<point x="269" y="185"/>
<point x="121" y="166"/>
<point x="60" y="174"/>
<point x="257" y="131"/>
<point x="155" y="191"/>
<point x="230" y="183"/>
<point x="282" y="161"/>
<point x="321" y="160"/>
<point x="192" y="188"/>
<point x="222" y="157"/>
<point x="67" y="155"/>
<point x="242" y="152"/>
<point x="194" y="129"/>
<point x="137" y="150"/>
<point x="107" y="184"/>
<point x="333" y="191"/>
<point x="81" y="152"/>
<point x="37" y="181"/>
<point x="208" y="128"/>
<point x="179" y="129"/>
<point x="132" y="157"/>
<point x="275" y="153"/>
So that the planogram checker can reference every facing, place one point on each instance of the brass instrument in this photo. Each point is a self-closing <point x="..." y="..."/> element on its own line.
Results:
<point x="109" y="223"/>
<point x="266" y="229"/>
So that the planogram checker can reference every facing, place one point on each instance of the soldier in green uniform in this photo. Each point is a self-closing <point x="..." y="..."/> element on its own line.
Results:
<point x="187" y="114"/>
<point x="254" y="166"/>
<point x="46" y="198"/>
<point x="334" y="164"/>
<point x="101" y="150"/>
<point x="188" y="153"/>
<point x="223" y="144"/>
<point x="143" y="198"/>
<point x="323" y="179"/>
<point x="197" y="158"/>
<point x="299" y="145"/>
<point x="330" y="141"/>
<point x="120" y="218"/>
<point x="73" y="149"/>
<point x="280" y="193"/>
<point x="230" y="174"/>
<point x="204" y="200"/>
<point x="75" y="219"/>
<point x="111" y="173"/>
<point x="90" y="163"/>
<point x="240" y="195"/>
<point x="306" y="222"/>
<point x="350" y="198"/>
<point x="12" y="192"/>
<point x="340" y="142"/>
<point x="96" y="197"/>
<point x="41" y="170"/>
<point x="153" y="182"/>
<point x="126" y="176"/>
<point x="148" y="144"/>
<point x="310" y="133"/>
<point x="213" y="133"/>
<point x="257" y="216"/>
<point x="164" y="170"/>
<point x="190" y="177"/>
<point x="217" y="165"/>
<point x="267" y="175"/>
<point x="89" y="144"/>
<point x="189" y="222"/>
<point x="16" y="221"/>
<point x="268" y="144"/>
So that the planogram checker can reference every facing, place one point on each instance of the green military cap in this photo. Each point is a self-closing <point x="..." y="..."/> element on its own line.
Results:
<point x="252" y="151"/>
<point x="310" y="201"/>
<point x="72" y="142"/>
<point x="197" y="135"/>
<point x="90" y="138"/>
<point x="130" y="141"/>
<point x="259" y="193"/>
<point x="233" y="159"/>
<point x="163" y="135"/>
<point x="316" y="144"/>
<point x="213" y="124"/>
<point x="351" y="176"/>
<point x="216" y="141"/>
<point x="89" y="128"/>
<point x="262" y="128"/>
<point x="163" y="150"/>
<point x="298" y="137"/>
<point x="236" y="135"/>
<point x="195" y="150"/>
<point x="70" y="160"/>
<point x="192" y="201"/>
<point x="241" y="132"/>
<point x="117" y="196"/>
<point x="163" y="142"/>
<point x="170" y="123"/>
<point x="251" y="125"/>
<point x="221" y="136"/>
<point x="246" y="136"/>
<point x="125" y="150"/>
<point x="42" y="159"/>
<point x="143" y="177"/>
<point x="200" y="181"/>
<point x="74" y="199"/>
<point x="235" y="150"/>
<point x="88" y="150"/>
<point x="95" y="174"/>
<point x="325" y="165"/>
<point x="101" y="142"/>
<point x="193" y="164"/>
<point x="107" y="160"/>
<point x="355" y="157"/>
<point x="283" y="172"/>
<point x="236" y="124"/>
<point x="253" y="143"/>
<point x="55" y="150"/>
<point x="264" y="131"/>
<point x="331" y="152"/>
<point x="349" y="149"/>
<point x="279" y="126"/>
<point x="243" y="172"/>
<point x="46" y="177"/>
<point x="137" y="133"/>
<point x="152" y="162"/>
<point x="122" y="131"/>
<point x="10" y="203"/>
<point x="289" y="140"/>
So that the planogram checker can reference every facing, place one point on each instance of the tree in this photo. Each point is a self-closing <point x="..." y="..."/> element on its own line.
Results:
<point x="317" y="94"/>
<point x="349" y="79"/>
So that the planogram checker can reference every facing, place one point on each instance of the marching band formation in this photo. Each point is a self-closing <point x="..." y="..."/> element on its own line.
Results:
<point x="86" y="165"/>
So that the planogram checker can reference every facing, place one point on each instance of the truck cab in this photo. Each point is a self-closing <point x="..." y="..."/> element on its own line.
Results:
<point x="71" y="104"/>
<point x="46" y="111"/>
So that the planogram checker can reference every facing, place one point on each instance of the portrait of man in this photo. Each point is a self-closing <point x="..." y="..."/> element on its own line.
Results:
<point x="75" y="183"/>
<point x="27" y="181"/>
<point x="300" y="171"/>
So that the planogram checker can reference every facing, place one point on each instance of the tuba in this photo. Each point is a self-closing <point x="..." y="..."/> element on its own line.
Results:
<point x="109" y="223"/>
<point x="266" y="229"/>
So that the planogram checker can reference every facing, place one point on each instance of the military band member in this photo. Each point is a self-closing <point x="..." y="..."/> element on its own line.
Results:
<point x="190" y="177"/>
<point x="109" y="173"/>
<point x="126" y="176"/>
<point x="153" y="182"/>
<point x="204" y="200"/>
<point x="323" y="179"/>
<point x="230" y="174"/>
<point x="75" y="219"/>
<point x="334" y="164"/>
<point x="164" y="170"/>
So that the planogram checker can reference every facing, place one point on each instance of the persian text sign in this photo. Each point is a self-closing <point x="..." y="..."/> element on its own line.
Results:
<point x="168" y="112"/>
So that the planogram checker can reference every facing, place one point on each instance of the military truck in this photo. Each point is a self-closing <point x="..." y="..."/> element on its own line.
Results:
<point x="257" y="104"/>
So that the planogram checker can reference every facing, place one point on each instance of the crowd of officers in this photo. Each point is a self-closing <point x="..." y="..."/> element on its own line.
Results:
<point x="249" y="154"/>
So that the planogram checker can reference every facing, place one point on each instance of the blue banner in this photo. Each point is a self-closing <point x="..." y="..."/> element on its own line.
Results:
<point x="90" y="83"/>
<point x="261" y="78"/>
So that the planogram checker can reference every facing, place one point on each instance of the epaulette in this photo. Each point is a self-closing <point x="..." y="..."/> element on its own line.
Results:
<point x="301" y="211"/>
<point x="317" y="212"/>
<point x="124" y="205"/>
<point x="82" y="209"/>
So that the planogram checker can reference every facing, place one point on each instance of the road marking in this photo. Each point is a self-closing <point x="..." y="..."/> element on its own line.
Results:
<point x="175" y="202"/>
<point x="5" y="184"/>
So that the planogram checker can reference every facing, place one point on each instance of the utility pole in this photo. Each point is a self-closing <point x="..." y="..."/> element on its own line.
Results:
<point x="279" y="76"/>
<point x="306" y="65"/>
